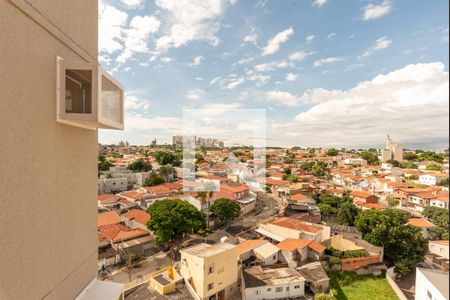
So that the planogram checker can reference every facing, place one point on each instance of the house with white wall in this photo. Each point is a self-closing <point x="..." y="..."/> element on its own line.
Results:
<point x="431" y="284"/>
<point x="259" y="283"/>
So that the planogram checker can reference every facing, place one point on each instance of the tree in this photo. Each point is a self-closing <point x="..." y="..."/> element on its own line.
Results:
<point x="139" y="166"/>
<point x="408" y="165"/>
<point x="370" y="157"/>
<point x="443" y="182"/>
<point x="326" y="209"/>
<point x="434" y="167"/>
<point x="332" y="152"/>
<point x="329" y="199"/>
<point x="170" y="219"/>
<point x="403" y="244"/>
<point x="199" y="158"/>
<point x="410" y="156"/>
<point x="326" y="296"/>
<point x="393" y="162"/>
<point x="437" y="215"/>
<point x="103" y="164"/>
<point x="154" y="179"/>
<point x="165" y="172"/>
<point x="346" y="213"/>
<point x="392" y="202"/>
<point x="166" y="158"/>
<point x="431" y="156"/>
<point x="225" y="209"/>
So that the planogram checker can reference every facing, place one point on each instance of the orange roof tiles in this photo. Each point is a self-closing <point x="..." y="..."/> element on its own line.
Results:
<point x="107" y="218"/>
<point x="275" y="182"/>
<point x="420" y="223"/>
<point x="106" y="197"/>
<point x="248" y="245"/>
<point x="137" y="215"/>
<point x="293" y="244"/>
<point x="363" y="195"/>
<point x="374" y="206"/>
<point x="441" y="242"/>
<point x="118" y="232"/>
<point x="300" y="197"/>
<point x="297" y="225"/>
<point x="158" y="190"/>
<point x="317" y="246"/>
<point x="235" y="189"/>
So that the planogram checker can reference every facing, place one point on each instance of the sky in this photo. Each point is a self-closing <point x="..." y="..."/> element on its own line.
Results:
<point x="325" y="73"/>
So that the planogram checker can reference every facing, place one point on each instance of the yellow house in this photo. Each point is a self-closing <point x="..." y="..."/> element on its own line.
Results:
<point x="210" y="271"/>
<point x="164" y="281"/>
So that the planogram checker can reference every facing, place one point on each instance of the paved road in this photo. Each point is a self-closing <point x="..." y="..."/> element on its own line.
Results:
<point x="150" y="264"/>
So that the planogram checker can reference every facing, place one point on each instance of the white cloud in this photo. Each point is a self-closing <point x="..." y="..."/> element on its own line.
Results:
<point x="235" y="83"/>
<point x="221" y="106"/>
<point x="319" y="3"/>
<point x="332" y="36"/>
<point x="410" y="103"/>
<point x="111" y="21"/>
<point x="195" y="94"/>
<point x="381" y="43"/>
<point x="327" y="60"/>
<point x="310" y="38"/>
<point x="134" y="103"/>
<point x="197" y="60"/>
<point x="273" y="45"/>
<point x="291" y="77"/>
<point x="272" y="66"/>
<point x="372" y="11"/>
<point x="136" y="121"/>
<point x="244" y="61"/>
<point x="353" y="67"/>
<point x="133" y="3"/>
<point x="191" y="20"/>
<point x="166" y="59"/>
<point x="136" y="37"/>
<point x="284" y="98"/>
<point x="299" y="56"/>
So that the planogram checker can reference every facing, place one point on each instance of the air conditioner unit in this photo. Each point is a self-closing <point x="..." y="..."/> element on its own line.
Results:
<point x="87" y="96"/>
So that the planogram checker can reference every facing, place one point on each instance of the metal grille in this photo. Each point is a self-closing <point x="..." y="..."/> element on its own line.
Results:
<point x="78" y="91"/>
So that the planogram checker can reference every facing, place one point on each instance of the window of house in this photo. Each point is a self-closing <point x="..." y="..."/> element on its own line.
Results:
<point x="279" y="289"/>
<point x="210" y="286"/>
<point x="296" y="287"/>
<point x="287" y="289"/>
<point x="274" y="257"/>
<point x="256" y="292"/>
<point x="269" y="289"/>
<point x="211" y="269"/>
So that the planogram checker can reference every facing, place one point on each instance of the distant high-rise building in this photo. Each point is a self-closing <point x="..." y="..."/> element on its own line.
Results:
<point x="392" y="151"/>
<point x="153" y="144"/>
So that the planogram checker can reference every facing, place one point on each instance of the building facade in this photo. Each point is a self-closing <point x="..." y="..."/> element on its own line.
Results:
<point x="48" y="177"/>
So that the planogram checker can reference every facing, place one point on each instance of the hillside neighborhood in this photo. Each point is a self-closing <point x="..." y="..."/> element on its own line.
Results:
<point x="313" y="224"/>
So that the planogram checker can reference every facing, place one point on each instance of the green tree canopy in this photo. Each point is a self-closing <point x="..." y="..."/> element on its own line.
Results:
<point x="139" y="166"/>
<point x="434" y="167"/>
<point x="326" y="209"/>
<point x="437" y="215"/>
<point x="443" y="182"/>
<point x="370" y="157"/>
<point x="430" y="156"/>
<point x="410" y="156"/>
<point x="403" y="245"/>
<point x="170" y="219"/>
<point x="103" y="164"/>
<point x="392" y="202"/>
<point x="332" y="152"/>
<point x="225" y="209"/>
<point x="393" y="162"/>
<point x="154" y="179"/>
<point x="346" y="213"/>
<point x="166" y="158"/>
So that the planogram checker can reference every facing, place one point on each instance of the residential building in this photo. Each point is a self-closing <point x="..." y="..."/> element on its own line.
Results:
<point x="257" y="252"/>
<point x="112" y="185"/>
<point x="363" y="198"/>
<point x="293" y="251"/>
<point x="432" y="178"/>
<point x="136" y="219"/>
<point x="439" y="248"/>
<point x="315" y="277"/>
<point x="271" y="283"/>
<point x="49" y="169"/>
<point x="210" y="270"/>
<point x="423" y="224"/>
<point x="392" y="151"/>
<point x="431" y="284"/>
<point x="291" y="228"/>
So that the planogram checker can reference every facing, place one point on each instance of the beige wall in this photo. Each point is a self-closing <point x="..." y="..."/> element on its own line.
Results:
<point x="225" y="271"/>
<point x="48" y="176"/>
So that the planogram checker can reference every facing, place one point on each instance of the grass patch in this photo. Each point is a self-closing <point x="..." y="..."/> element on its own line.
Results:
<point x="350" y="286"/>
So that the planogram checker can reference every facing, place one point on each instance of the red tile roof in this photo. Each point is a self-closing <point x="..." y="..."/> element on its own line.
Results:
<point x="293" y="244"/>
<point x="420" y="223"/>
<point x="118" y="232"/>
<point x="363" y="195"/>
<point x="137" y="215"/>
<point x="300" y="197"/>
<point x="297" y="225"/>
<point x="248" y="245"/>
<point x="234" y="188"/>
<point x="107" y="218"/>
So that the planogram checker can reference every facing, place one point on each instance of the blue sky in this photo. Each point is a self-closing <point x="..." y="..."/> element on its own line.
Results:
<point x="328" y="72"/>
